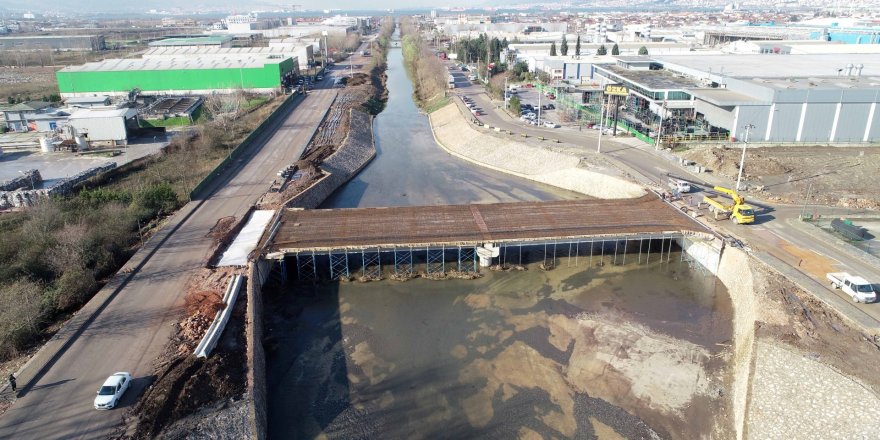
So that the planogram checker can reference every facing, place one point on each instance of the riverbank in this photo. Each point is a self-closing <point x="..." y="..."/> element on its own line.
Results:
<point x="783" y="335"/>
<point x="458" y="137"/>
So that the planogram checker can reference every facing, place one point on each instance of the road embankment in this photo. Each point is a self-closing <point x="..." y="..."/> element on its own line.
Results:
<point x="354" y="154"/>
<point x="793" y="355"/>
<point x="460" y="138"/>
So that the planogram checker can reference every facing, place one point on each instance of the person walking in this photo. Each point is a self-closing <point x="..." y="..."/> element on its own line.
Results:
<point x="12" y="384"/>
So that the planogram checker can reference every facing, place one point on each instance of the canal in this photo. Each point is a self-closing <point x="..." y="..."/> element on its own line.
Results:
<point x="411" y="169"/>
<point x="590" y="349"/>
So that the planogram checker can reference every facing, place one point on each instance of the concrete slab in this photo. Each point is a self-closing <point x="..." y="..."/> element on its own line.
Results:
<point x="247" y="239"/>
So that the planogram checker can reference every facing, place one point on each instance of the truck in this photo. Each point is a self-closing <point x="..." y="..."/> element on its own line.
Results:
<point x="679" y="186"/>
<point x="735" y="209"/>
<point x="855" y="287"/>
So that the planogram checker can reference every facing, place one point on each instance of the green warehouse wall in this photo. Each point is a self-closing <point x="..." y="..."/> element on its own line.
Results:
<point x="269" y="76"/>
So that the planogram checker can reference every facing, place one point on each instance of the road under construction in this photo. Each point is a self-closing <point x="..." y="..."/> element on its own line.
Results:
<point x="334" y="242"/>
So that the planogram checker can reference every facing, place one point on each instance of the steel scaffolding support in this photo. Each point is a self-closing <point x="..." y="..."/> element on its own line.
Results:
<point x="435" y="261"/>
<point x="467" y="259"/>
<point x="282" y="265"/>
<point x="306" y="269"/>
<point x="403" y="262"/>
<point x="372" y="264"/>
<point x="338" y="265"/>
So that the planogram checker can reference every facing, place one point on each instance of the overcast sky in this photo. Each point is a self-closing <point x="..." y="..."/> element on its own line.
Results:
<point x="237" y="5"/>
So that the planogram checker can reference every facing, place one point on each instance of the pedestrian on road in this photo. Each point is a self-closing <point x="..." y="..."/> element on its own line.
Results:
<point x="12" y="384"/>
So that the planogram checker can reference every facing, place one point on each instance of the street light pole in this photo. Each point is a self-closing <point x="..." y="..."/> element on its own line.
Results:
<point x="742" y="160"/>
<point x="601" y="121"/>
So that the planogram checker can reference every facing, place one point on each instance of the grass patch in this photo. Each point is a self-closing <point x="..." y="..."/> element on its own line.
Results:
<point x="436" y="104"/>
<point x="180" y="121"/>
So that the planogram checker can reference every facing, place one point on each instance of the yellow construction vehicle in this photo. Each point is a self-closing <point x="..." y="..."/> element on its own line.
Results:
<point x="738" y="211"/>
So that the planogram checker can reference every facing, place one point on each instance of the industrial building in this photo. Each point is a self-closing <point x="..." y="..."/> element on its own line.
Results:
<point x="303" y="54"/>
<point x="206" y="41"/>
<point x="104" y="125"/>
<point x="177" y="76"/>
<point x="780" y="98"/>
<point x="54" y="42"/>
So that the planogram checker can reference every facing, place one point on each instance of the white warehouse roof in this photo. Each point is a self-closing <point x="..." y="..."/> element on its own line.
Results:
<point x="773" y="65"/>
<point x="189" y="63"/>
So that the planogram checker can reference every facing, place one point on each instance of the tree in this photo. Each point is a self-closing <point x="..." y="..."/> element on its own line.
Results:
<point x="564" y="47"/>
<point x="643" y="50"/>
<point x="602" y="50"/>
<point x="577" y="46"/>
<point x="514" y="105"/>
<point x="553" y="49"/>
<point x="615" y="50"/>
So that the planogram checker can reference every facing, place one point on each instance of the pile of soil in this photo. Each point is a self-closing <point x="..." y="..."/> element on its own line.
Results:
<point x="185" y="384"/>
<point x="841" y="176"/>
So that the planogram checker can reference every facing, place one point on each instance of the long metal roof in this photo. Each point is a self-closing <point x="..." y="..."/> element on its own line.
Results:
<point x="182" y="63"/>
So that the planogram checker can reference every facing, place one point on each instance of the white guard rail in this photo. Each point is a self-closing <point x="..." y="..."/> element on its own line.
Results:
<point x="216" y="329"/>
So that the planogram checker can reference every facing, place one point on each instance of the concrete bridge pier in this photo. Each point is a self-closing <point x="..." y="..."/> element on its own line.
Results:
<point x="487" y="252"/>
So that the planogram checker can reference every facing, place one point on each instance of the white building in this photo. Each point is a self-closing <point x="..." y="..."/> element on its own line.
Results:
<point x="104" y="125"/>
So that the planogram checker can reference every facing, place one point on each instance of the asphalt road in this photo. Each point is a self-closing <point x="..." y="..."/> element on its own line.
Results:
<point x="777" y="231"/>
<point x="129" y="332"/>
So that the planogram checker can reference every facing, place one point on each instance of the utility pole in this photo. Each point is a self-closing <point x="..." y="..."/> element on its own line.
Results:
<point x="660" y="128"/>
<point x="505" y="92"/>
<point x="742" y="160"/>
<point x="601" y="122"/>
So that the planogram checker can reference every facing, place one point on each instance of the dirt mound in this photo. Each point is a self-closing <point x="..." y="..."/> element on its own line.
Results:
<point x="184" y="384"/>
<point x="358" y="79"/>
<point x="222" y="228"/>
<point x="831" y="175"/>
<point x="205" y="302"/>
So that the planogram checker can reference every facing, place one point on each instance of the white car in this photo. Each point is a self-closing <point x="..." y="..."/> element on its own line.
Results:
<point x="112" y="390"/>
<point x="549" y="124"/>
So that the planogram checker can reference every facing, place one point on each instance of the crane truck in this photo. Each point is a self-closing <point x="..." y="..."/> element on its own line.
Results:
<point x="735" y="209"/>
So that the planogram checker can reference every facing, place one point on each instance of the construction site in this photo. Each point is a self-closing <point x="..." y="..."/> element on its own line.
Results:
<point x="413" y="276"/>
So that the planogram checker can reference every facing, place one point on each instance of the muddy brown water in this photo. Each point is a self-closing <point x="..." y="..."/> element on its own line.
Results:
<point x="570" y="353"/>
<point x="582" y="351"/>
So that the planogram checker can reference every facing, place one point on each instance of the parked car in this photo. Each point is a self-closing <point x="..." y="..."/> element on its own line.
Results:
<point x="319" y="78"/>
<point x="112" y="390"/>
<point x="550" y="124"/>
<point x="528" y="86"/>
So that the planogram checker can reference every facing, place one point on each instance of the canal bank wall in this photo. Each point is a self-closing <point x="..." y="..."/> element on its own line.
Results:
<point x="353" y="155"/>
<point x="459" y="138"/>
<point x="358" y="149"/>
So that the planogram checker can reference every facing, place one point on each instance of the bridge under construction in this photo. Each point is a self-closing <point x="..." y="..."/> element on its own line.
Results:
<point x="340" y="243"/>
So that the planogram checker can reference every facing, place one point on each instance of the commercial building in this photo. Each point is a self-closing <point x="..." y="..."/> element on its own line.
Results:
<point x="781" y="98"/>
<point x="54" y="42"/>
<point x="177" y="76"/>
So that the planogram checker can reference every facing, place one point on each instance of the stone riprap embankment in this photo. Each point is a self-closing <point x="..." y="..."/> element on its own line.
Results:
<point x="355" y="153"/>
<point x="793" y="396"/>
<point x="457" y="136"/>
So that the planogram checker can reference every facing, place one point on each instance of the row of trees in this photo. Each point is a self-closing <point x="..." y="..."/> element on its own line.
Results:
<point x="602" y="50"/>
<point x="481" y="49"/>
<point x="427" y="72"/>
